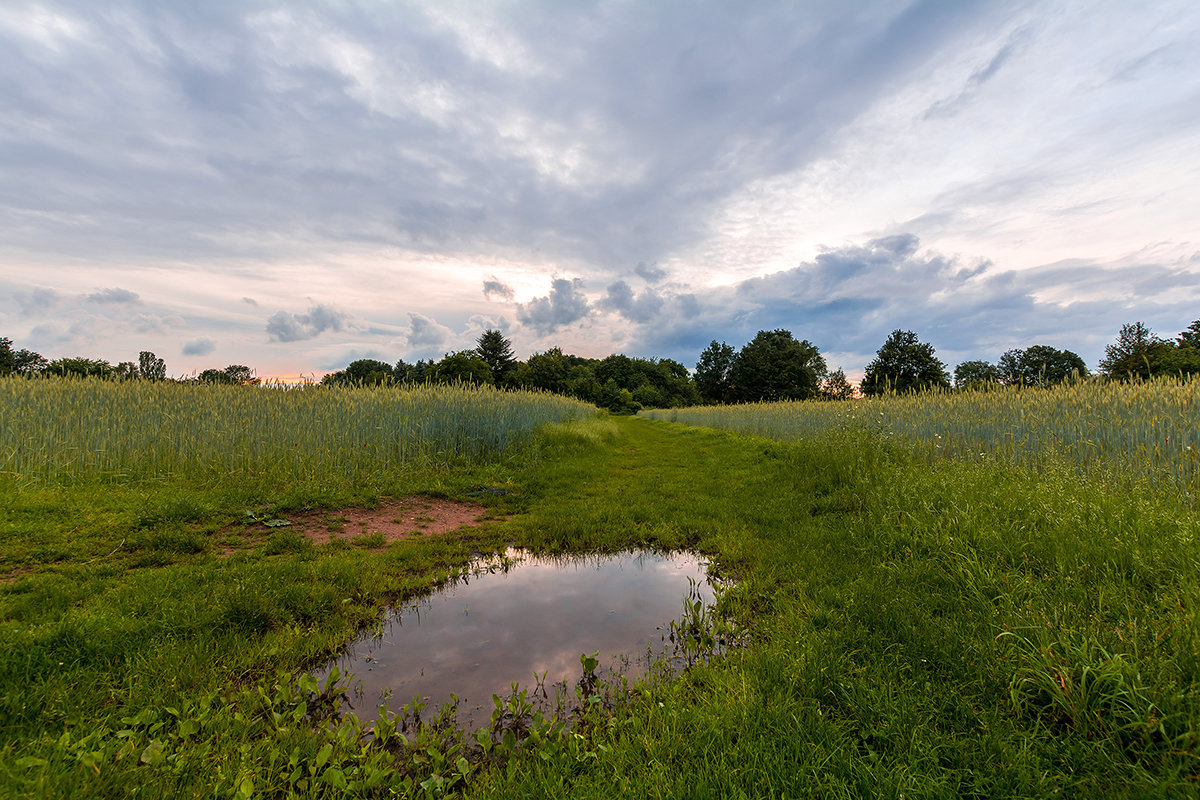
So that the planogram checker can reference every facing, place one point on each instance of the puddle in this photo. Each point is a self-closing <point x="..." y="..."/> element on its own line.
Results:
<point x="534" y="615"/>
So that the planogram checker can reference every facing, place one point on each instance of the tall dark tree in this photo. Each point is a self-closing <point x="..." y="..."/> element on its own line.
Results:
<point x="1009" y="368"/>
<point x="497" y="353"/>
<point x="412" y="373"/>
<point x="618" y="400"/>
<point x="21" y="362"/>
<point x="27" y="362"/>
<point x="239" y="375"/>
<point x="1040" y="365"/>
<point x="216" y="376"/>
<point x="975" y="375"/>
<point x="1190" y="337"/>
<point x="464" y="366"/>
<point x="368" y="372"/>
<point x="620" y="368"/>
<point x="80" y="366"/>
<point x="713" y="371"/>
<point x="361" y="372"/>
<point x="774" y="366"/>
<point x="548" y="370"/>
<point x="151" y="367"/>
<point x="904" y="364"/>
<point x="8" y="358"/>
<point x="582" y="383"/>
<point x="1136" y="355"/>
<point x="836" y="387"/>
<point x="1179" y="361"/>
<point x="1047" y="366"/>
<point x="672" y="378"/>
<point x="1184" y="357"/>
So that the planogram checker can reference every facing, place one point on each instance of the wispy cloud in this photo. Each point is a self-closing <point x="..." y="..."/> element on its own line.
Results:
<point x="116" y="296"/>
<point x="494" y="288"/>
<point x="36" y="300"/>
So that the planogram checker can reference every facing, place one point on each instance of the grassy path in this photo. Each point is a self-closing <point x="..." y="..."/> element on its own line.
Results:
<point x="919" y="631"/>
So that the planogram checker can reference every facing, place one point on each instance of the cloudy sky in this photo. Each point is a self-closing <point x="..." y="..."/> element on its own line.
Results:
<point x="294" y="185"/>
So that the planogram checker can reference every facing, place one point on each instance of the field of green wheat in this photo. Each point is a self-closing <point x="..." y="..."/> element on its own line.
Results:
<point x="79" y="430"/>
<point x="1144" y="431"/>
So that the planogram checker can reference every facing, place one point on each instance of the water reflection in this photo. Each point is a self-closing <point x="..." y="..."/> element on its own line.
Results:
<point x="536" y="616"/>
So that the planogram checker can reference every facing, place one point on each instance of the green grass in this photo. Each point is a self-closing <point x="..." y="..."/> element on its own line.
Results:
<point x="951" y="629"/>
<point x="920" y="628"/>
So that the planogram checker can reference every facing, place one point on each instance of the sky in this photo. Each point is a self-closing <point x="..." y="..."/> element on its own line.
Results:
<point x="295" y="185"/>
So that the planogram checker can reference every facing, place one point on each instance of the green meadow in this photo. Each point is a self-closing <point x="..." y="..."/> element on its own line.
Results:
<point x="932" y="602"/>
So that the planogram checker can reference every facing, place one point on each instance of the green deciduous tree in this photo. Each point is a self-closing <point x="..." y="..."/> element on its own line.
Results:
<point x="1183" y="358"/>
<point x="548" y="370"/>
<point x="658" y="383"/>
<point x="369" y="372"/>
<point x="20" y="362"/>
<point x="7" y="356"/>
<point x="27" y="362"/>
<point x="233" y="375"/>
<point x="213" y="375"/>
<point x="1190" y="337"/>
<point x="1136" y="355"/>
<point x="618" y="400"/>
<point x="836" y="387"/>
<point x="1040" y="365"/>
<point x="1009" y="368"/>
<point x="151" y="367"/>
<point x="774" y="366"/>
<point x="1047" y="366"/>
<point x="976" y="375"/>
<point x="904" y="364"/>
<point x="1179" y="361"/>
<point x="465" y="366"/>
<point x="713" y="373"/>
<point x="582" y="383"/>
<point x="240" y="373"/>
<point x="80" y="366"/>
<point x="361" y="372"/>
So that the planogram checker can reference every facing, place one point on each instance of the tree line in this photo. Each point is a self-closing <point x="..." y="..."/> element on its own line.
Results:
<point x="772" y="366"/>
<point x="148" y="367"/>
<point x="618" y="382"/>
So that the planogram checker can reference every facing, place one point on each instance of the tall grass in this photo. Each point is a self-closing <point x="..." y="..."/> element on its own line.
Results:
<point x="72" y="430"/>
<point x="1145" y="431"/>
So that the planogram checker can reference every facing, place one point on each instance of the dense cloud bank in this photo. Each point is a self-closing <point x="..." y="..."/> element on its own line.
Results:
<point x="642" y="177"/>
<point x="847" y="300"/>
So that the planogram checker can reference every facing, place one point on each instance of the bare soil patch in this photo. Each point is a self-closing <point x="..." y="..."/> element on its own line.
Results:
<point x="11" y="576"/>
<point x="390" y="521"/>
